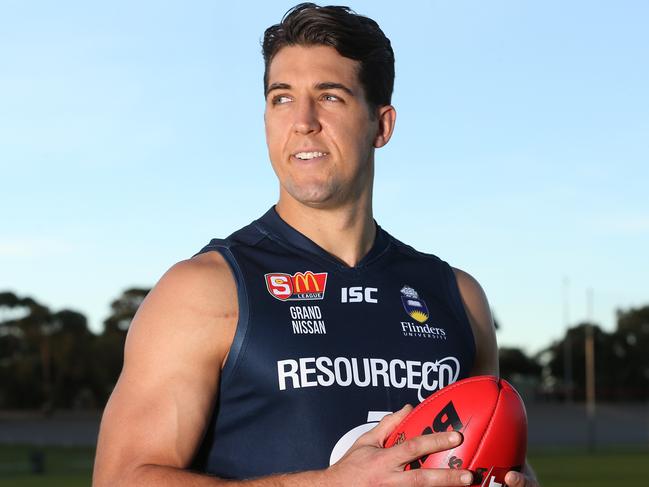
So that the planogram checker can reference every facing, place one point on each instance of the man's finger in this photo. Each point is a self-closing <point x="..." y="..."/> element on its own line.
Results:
<point x="419" y="446"/>
<point x="378" y="435"/>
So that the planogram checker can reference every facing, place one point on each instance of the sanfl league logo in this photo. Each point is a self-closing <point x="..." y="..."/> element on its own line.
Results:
<point x="300" y="286"/>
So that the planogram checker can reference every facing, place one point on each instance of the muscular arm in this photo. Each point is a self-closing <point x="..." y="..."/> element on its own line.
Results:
<point x="486" y="359"/>
<point x="175" y="349"/>
<point x="173" y="356"/>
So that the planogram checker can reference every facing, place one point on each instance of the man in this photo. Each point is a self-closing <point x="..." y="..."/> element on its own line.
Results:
<point x="280" y="348"/>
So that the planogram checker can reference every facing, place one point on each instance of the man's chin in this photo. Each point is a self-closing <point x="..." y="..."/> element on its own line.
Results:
<point x="315" y="197"/>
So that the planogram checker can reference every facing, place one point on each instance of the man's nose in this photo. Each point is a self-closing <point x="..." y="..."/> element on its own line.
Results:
<point x="306" y="117"/>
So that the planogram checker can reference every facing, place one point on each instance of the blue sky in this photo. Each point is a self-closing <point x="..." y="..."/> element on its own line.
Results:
<point x="131" y="133"/>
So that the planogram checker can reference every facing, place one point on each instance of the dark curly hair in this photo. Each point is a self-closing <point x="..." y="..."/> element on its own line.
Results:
<point x="353" y="36"/>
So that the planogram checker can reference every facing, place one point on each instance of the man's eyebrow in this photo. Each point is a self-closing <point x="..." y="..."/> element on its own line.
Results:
<point x="278" y="86"/>
<point x="330" y="85"/>
<point x="325" y="85"/>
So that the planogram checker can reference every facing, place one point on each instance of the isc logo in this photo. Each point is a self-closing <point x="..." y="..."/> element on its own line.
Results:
<point x="358" y="294"/>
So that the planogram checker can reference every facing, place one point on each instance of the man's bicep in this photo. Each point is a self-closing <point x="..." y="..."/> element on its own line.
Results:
<point x="173" y="355"/>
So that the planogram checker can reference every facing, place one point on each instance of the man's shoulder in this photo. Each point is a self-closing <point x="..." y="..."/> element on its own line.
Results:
<point x="468" y="284"/>
<point x="203" y="269"/>
<point x="203" y="282"/>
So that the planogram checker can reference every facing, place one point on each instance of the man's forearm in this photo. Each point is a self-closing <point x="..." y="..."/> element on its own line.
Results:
<point x="164" y="476"/>
<point x="366" y="463"/>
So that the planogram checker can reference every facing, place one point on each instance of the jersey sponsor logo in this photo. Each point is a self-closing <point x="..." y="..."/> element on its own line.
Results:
<point x="410" y="329"/>
<point x="417" y="309"/>
<point x="414" y="305"/>
<point x="424" y="377"/>
<point x="359" y="294"/>
<point x="301" y="286"/>
<point x="307" y="320"/>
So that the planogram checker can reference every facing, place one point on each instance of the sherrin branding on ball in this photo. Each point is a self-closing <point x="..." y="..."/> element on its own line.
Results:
<point x="490" y="415"/>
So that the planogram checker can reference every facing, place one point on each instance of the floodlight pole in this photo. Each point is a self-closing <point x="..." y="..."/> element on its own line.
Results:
<point x="589" y="344"/>
<point x="567" y="343"/>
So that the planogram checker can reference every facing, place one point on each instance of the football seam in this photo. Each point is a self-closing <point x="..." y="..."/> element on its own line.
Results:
<point x="444" y="391"/>
<point x="488" y="428"/>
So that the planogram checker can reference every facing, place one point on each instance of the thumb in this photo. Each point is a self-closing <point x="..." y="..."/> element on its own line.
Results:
<point x="377" y="435"/>
<point x="516" y="479"/>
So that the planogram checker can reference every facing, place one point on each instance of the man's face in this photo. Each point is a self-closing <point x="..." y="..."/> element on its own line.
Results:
<point x="319" y="131"/>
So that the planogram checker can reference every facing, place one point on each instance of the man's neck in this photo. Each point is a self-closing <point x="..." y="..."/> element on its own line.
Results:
<point x="347" y="233"/>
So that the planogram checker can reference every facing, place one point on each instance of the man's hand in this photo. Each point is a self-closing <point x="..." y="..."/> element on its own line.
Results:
<point x="368" y="463"/>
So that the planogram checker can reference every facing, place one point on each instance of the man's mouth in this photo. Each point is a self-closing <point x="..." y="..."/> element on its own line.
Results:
<point x="306" y="156"/>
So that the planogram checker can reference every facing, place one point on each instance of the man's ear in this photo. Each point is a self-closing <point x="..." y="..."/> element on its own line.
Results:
<point x="387" y="117"/>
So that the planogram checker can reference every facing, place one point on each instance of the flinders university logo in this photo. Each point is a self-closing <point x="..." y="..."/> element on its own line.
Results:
<point x="413" y="305"/>
<point x="301" y="286"/>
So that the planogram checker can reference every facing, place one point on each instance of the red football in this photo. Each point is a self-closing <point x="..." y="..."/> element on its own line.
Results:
<point x="490" y="415"/>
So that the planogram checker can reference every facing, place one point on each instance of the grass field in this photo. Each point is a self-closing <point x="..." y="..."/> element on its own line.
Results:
<point x="64" y="467"/>
<point x="72" y="467"/>
<point x="570" y="468"/>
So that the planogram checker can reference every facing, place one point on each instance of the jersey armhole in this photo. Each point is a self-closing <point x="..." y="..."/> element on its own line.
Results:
<point x="244" y="310"/>
<point x="459" y="309"/>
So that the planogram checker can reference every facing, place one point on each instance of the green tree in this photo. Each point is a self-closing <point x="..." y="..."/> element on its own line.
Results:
<point x="630" y="345"/>
<point x="609" y="362"/>
<point x="52" y="360"/>
<point x="71" y="343"/>
<point x="109" y="346"/>
<point x="123" y="310"/>
<point x="24" y="366"/>
<point x="514" y="364"/>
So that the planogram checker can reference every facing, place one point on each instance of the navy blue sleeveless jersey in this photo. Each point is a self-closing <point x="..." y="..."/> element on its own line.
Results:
<point x="322" y="351"/>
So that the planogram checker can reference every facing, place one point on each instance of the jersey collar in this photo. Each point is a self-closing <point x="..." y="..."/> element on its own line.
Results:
<point x="272" y="224"/>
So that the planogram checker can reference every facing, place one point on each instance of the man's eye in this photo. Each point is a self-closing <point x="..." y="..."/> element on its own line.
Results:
<point x="330" y="98"/>
<point x="281" y="99"/>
